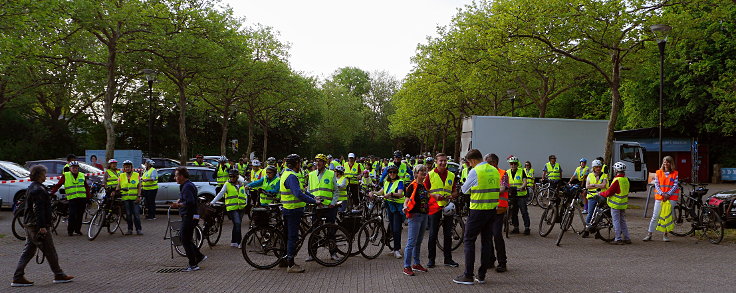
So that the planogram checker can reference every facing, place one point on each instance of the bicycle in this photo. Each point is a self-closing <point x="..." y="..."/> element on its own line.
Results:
<point x="572" y="205"/>
<point x="552" y="212"/>
<point x="601" y="222"/>
<point x="213" y="216"/>
<point x="93" y="204"/>
<point x="692" y="213"/>
<point x="109" y="215"/>
<point x="264" y="247"/>
<point x="546" y="192"/>
<point x="533" y="193"/>
<point x="173" y="234"/>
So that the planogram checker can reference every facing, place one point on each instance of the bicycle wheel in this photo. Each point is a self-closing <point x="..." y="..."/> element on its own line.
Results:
<point x="605" y="228"/>
<point x="329" y="245"/>
<point x="545" y="197"/>
<point x="18" y="230"/>
<point x="506" y="225"/>
<point x="198" y="236"/>
<point x="55" y="220"/>
<point x="712" y="226"/>
<point x="95" y="225"/>
<point x="389" y="240"/>
<point x="370" y="238"/>
<point x="113" y="219"/>
<point x="683" y="225"/>
<point x="90" y="210"/>
<point x="547" y="221"/>
<point x="214" y="231"/>
<point x="575" y="227"/>
<point x="565" y="224"/>
<point x="458" y="229"/>
<point x="263" y="247"/>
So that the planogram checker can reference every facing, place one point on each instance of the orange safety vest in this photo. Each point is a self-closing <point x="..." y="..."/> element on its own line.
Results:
<point x="503" y="198"/>
<point x="666" y="183"/>
<point x="433" y="206"/>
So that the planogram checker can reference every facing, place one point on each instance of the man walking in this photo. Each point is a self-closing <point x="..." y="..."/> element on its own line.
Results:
<point x="187" y="205"/>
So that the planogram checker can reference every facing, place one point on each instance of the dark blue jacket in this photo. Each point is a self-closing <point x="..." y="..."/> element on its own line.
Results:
<point x="188" y="199"/>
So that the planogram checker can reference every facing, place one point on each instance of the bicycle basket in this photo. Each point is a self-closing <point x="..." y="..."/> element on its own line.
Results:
<point x="352" y="223"/>
<point x="260" y="217"/>
<point x="206" y="211"/>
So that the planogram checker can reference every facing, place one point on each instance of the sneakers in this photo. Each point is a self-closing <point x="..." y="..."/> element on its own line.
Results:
<point x="585" y="212"/>
<point x="63" y="279"/>
<point x="616" y="242"/>
<point x="191" y="269"/>
<point x="430" y="264"/>
<point x="627" y="241"/>
<point x="527" y="231"/>
<point x="295" y="269"/>
<point x="408" y="271"/>
<point x="130" y="232"/>
<point x="419" y="268"/>
<point x="463" y="280"/>
<point x="501" y="268"/>
<point x="139" y="232"/>
<point x="204" y="257"/>
<point x="397" y="254"/>
<point x="451" y="263"/>
<point x="665" y="238"/>
<point x="22" y="282"/>
<point x="233" y="245"/>
<point x="480" y="279"/>
<point x="648" y="238"/>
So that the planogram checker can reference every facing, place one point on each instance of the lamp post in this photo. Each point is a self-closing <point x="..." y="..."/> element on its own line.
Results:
<point x="661" y="31"/>
<point x="150" y="77"/>
<point x="512" y="97"/>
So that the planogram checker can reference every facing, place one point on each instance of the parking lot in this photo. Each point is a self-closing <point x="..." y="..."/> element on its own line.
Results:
<point x="116" y="263"/>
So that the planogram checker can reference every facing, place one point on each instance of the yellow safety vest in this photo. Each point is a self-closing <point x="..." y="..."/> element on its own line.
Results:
<point x="582" y="173"/>
<point x="74" y="187"/>
<point x="620" y="200"/>
<point x="529" y="176"/>
<point x="553" y="172"/>
<point x="485" y="195"/>
<point x="241" y="168"/>
<point x="112" y="178"/>
<point x="288" y="199"/>
<point x="149" y="183"/>
<point x="392" y="187"/>
<point x="443" y="188"/>
<point x="517" y="181"/>
<point x="592" y="192"/>
<point x="322" y="187"/>
<point x="129" y="186"/>
<point x="351" y="173"/>
<point x="222" y="176"/>
<point x="342" y="191"/>
<point x="235" y="197"/>
<point x="268" y="185"/>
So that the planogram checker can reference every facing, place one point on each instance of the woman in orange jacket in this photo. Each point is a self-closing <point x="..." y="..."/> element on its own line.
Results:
<point x="666" y="185"/>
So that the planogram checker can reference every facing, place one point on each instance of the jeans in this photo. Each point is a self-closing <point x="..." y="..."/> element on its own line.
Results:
<point x="395" y="221"/>
<point x="434" y="228"/>
<point x="592" y="202"/>
<point x="133" y="215"/>
<point x="655" y="216"/>
<point x="479" y="222"/>
<point x="237" y="217"/>
<point x="187" y="235"/>
<point x="619" y="224"/>
<point x="292" y="217"/>
<point x="519" y="204"/>
<point x="33" y="242"/>
<point x="498" y="241"/>
<point x="150" y="203"/>
<point x="76" y="212"/>
<point x="417" y="225"/>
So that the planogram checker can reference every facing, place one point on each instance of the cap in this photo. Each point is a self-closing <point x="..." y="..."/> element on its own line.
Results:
<point x="351" y="155"/>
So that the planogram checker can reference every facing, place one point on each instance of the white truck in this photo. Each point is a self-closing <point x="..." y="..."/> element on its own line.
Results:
<point x="535" y="139"/>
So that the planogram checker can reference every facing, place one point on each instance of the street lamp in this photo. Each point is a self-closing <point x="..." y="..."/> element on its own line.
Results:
<point x="150" y="77"/>
<point x="661" y="31"/>
<point x="512" y="97"/>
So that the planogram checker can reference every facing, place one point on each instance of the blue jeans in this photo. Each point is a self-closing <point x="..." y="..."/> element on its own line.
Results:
<point x="591" y="207"/>
<point x="291" y="223"/>
<point x="619" y="224"/>
<point x="417" y="225"/>
<point x="237" y="217"/>
<point x="395" y="221"/>
<point x="134" y="215"/>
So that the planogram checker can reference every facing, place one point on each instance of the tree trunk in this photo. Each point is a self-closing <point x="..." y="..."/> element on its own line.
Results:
<point x="615" y="107"/>
<point x="458" y="137"/>
<point x="225" y="122"/>
<point x="249" y="149"/>
<point x="110" y="91"/>
<point x="543" y="107"/>
<point x="184" y="142"/>
<point x="444" y="140"/>
<point x="265" y="140"/>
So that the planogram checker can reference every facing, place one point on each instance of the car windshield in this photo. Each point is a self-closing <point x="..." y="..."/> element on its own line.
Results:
<point x="17" y="170"/>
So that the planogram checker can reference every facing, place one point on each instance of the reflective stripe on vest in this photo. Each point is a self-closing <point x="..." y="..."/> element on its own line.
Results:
<point x="351" y="173"/>
<point x="288" y="199"/>
<point x="235" y="198"/>
<point x="268" y="185"/>
<point x="582" y="174"/>
<point x="553" y="173"/>
<point x="529" y="176"/>
<point x="74" y="187"/>
<point x="620" y="201"/>
<point x="666" y="183"/>
<point x="392" y="187"/>
<point x="222" y="176"/>
<point x="592" y="192"/>
<point x="112" y="178"/>
<point x="322" y="186"/>
<point x="485" y="195"/>
<point x="241" y="168"/>
<point x="257" y="175"/>
<point x="517" y="181"/>
<point x="342" y="191"/>
<point x="129" y="186"/>
<point x="437" y="186"/>
<point x="149" y="183"/>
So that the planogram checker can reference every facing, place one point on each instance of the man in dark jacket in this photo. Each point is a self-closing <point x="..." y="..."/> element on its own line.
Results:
<point x="37" y="223"/>
<point x="187" y="205"/>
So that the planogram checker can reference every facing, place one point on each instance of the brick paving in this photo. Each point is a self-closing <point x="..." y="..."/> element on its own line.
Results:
<point x="116" y="263"/>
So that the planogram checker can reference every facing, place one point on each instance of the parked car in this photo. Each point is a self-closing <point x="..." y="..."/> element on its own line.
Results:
<point x="213" y="160"/>
<point x="454" y="168"/>
<point x="208" y="165"/>
<point x="725" y="204"/>
<point x="168" y="189"/>
<point x="159" y="163"/>
<point x="10" y="192"/>
<point x="56" y="168"/>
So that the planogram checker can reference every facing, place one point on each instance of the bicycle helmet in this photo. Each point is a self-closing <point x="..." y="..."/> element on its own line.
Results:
<point x="126" y="162"/>
<point x="271" y="160"/>
<point x="449" y="210"/>
<point x="429" y="160"/>
<point x="597" y="163"/>
<point x="233" y="172"/>
<point x="321" y="157"/>
<point x="392" y="167"/>
<point x="74" y="163"/>
<point x="619" y="167"/>
<point x="112" y="161"/>
<point x="199" y="156"/>
<point x="223" y="159"/>
<point x="271" y="168"/>
<point x="340" y="169"/>
<point x="583" y="160"/>
<point x="397" y="154"/>
<point x="256" y="163"/>
<point x="149" y="161"/>
<point x="512" y="159"/>
<point x="292" y="159"/>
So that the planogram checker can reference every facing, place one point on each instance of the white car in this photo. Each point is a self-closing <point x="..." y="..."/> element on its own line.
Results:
<point x="14" y="181"/>
<point x="168" y="189"/>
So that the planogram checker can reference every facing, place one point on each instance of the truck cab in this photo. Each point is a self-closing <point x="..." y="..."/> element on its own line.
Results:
<point x="632" y="155"/>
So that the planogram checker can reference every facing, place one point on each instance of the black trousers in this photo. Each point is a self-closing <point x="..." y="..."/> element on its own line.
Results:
<point x="76" y="212"/>
<point x="187" y="235"/>
<point x="353" y="194"/>
<point x="479" y="222"/>
<point x="434" y="228"/>
<point x="150" y="202"/>
<point x="498" y="242"/>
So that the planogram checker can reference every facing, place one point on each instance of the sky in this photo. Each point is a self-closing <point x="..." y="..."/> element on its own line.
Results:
<point x="373" y="35"/>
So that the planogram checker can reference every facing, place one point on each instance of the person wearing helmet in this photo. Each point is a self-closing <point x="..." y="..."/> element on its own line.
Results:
<point x="323" y="185"/>
<point x="597" y="181"/>
<point x="353" y="173"/>
<point x="266" y="187"/>
<point x="552" y="171"/>
<point x="242" y="167"/>
<point x="393" y="193"/>
<point x="221" y="173"/>
<point x="294" y="200"/>
<point x="517" y="195"/>
<point x="605" y="167"/>
<point x="442" y="186"/>
<point x="429" y="163"/>
<point x="618" y="201"/>
<point x="110" y="177"/>
<point x="77" y="192"/>
<point x="199" y="161"/>
<point x="581" y="172"/>
<point x="69" y="158"/>
<point x="236" y="200"/>
<point x="404" y="171"/>
<point x="129" y="188"/>
<point x="149" y="183"/>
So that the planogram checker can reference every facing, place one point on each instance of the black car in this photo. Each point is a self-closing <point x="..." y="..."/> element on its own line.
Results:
<point x="159" y="163"/>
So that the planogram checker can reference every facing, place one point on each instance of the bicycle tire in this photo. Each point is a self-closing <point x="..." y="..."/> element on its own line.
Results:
<point x="197" y="238"/>
<point x="545" y="197"/>
<point x="90" y="211"/>
<point x="605" y="231"/>
<point x="329" y="245"/>
<point x="389" y="240"/>
<point x="565" y="224"/>
<point x="214" y="232"/>
<point x="370" y="238"/>
<point x="547" y="221"/>
<point x="579" y="212"/>
<point x="683" y="225"/>
<point x="458" y="230"/>
<point x="113" y="219"/>
<point x="18" y="230"/>
<point x="55" y="220"/>
<point x="712" y="226"/>
<point x="263" y="247"/>
<point x="95" y="225"/>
